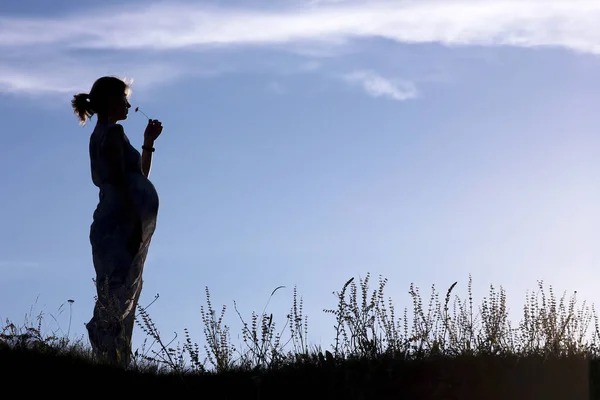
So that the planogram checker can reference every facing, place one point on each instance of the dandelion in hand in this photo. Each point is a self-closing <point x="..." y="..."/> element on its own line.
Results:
<point x="138" y="109"/>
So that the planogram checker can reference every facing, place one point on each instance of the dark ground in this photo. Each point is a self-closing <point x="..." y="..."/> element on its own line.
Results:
<point x="26" y="373"/>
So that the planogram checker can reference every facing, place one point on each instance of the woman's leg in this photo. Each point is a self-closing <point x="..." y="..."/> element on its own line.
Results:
<point x="116" y="292"/>
<point x="134" y="283"/>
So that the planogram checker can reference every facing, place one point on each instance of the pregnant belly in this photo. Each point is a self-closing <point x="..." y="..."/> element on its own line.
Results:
<point x="113" y="223"/>
<point x="144" y="196"/>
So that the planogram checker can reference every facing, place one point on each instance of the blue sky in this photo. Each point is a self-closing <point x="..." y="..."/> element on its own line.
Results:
<point x="306" y="142"/>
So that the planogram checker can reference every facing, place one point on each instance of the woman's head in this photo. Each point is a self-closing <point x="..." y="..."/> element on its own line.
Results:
<point x="108" y="99"/>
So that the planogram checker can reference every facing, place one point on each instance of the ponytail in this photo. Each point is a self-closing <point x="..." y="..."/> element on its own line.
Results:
<point x="82" y="107"/>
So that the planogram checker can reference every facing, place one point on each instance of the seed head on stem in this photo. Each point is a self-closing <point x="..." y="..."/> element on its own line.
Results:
<point x="138" y="109"/>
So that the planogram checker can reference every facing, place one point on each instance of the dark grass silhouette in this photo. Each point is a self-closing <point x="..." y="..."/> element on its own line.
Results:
<point x="446" y="350"/>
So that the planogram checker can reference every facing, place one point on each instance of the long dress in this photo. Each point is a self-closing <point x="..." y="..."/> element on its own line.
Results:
<point x="120" y="236"/>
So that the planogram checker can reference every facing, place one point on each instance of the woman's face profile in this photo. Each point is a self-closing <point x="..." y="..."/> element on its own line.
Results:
<point x="121" y="107"/>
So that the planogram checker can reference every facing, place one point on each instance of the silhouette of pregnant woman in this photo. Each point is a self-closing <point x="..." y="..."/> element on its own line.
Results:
<point x="125" y="217"/>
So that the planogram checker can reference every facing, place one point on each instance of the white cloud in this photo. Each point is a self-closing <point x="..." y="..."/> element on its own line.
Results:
<point x="309" y="66"/>
<point x="63" y="75"/>
<point x="19" y="269"/>
<point x="320" y="2"/>
<point x="378" y="86"/>
<point x="40" y="55"/>
<point x="13" y="81"/>
<point x="276" y="87"/>
<point x="570" y="24"/>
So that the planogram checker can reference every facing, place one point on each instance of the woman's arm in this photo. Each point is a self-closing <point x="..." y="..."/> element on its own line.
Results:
<point x="147" y="150"/>
<point x="152" y="132"/>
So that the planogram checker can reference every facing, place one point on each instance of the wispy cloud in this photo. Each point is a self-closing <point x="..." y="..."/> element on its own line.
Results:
<point x="276" y="87"/>
<point x="58" y="54"/>
<point x="378" y="86"/>
<point x="18" y="269"/>
<point x="566" y="23"/>
<point x="66" y="74"/>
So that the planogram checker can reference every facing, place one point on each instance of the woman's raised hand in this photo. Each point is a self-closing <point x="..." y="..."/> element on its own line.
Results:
<point x="153" y="130"/>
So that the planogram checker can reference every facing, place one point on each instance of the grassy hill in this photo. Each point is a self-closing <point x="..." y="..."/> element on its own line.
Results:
<point x="452" y="350"/>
